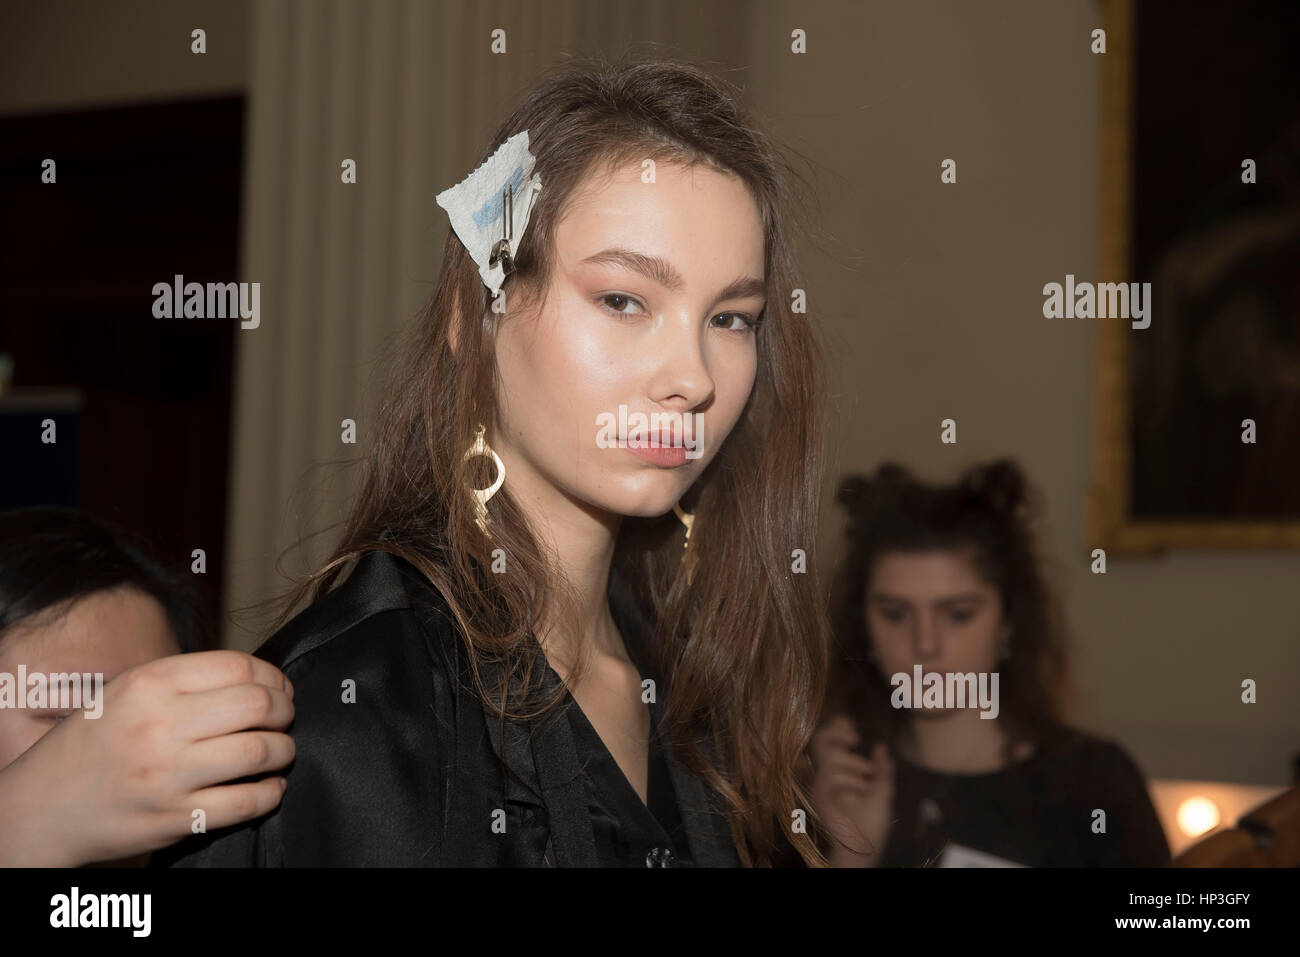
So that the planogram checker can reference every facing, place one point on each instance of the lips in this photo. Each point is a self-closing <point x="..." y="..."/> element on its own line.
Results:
<point x="662" y="455"/>
<point x="654" y="440"/>
<point x="659" y="447"/>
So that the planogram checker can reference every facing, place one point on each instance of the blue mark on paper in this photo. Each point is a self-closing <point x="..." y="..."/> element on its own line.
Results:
<point x="492" y="210"/>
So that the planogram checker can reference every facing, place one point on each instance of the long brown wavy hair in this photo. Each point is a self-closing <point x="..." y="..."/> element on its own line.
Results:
<point x="990" y="509"/>
<point x="742" y="647"/>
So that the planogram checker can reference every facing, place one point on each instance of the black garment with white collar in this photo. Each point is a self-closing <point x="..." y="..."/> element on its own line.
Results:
<point x="410" y="773"/>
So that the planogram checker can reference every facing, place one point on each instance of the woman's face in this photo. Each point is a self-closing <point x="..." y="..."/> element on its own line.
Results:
<point x="650" y="303"/>
<point x="103" y="633"/>
<point x="933" y="609"/>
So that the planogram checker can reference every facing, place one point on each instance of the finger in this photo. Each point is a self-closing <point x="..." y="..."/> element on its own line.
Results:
<point x="884" y="762"/>
<point x="209" y="670"/>
<point x="829" y="743"/>
<point x="839" y="732"/>
<point x="235" y="803"/>
<point x="845" y="801"/>
<point x="849" y="760"/>
<point x="207" y="714"/>
<point x="232" y="756"/>
<point x="846" y="781"/>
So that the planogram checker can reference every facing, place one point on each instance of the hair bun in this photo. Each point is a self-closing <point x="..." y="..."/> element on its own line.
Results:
<point x="1001" y="484"/>
<point x="854" y="492"/>
<point x="862" y="493"/>
<point x="893" y="475"/>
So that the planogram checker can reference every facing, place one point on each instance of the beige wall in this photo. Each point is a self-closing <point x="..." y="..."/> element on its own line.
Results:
<point x="928" y="295"/>
<point x="942" y="318"/>
<point x="59" y="54"/>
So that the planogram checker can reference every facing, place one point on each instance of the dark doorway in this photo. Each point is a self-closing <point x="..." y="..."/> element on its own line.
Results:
<point x="141" y="406"/>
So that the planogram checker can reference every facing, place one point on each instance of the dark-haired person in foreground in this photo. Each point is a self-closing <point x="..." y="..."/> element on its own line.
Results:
<point x="122" y="775"/>
<point x="946" y="578"/>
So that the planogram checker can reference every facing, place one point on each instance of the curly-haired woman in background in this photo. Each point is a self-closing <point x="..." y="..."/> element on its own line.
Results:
<point x="945" y="577"/>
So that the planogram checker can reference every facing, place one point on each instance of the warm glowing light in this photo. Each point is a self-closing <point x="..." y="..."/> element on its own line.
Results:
<point x="1197" y="815"/>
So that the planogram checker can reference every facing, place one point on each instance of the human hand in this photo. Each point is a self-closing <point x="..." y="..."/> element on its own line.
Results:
<point x="128" y="782"/>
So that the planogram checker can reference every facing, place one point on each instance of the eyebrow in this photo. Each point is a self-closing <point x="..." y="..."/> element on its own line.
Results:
<point x="74" y="678"/>
<point x="661" y="271"/>
<point x="886" y="598"/>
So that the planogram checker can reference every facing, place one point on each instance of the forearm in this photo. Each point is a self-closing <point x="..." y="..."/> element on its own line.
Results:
<point x="30" y="833"/>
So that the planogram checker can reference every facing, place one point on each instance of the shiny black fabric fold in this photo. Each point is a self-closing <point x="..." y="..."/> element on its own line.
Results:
<point x="410" y="773"/>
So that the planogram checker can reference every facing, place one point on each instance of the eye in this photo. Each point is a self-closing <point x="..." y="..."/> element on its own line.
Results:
<point x="893" y="614"/>
<point x="619" y="303"/>
<point x="747" y="322"/>
<point x="962" y="615"/>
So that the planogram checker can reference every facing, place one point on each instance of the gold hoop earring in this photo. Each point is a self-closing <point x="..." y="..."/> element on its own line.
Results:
<point x="687" y="519"/>
<point x="483" y="495"/>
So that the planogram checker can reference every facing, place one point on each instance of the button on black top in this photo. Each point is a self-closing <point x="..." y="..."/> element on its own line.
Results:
<point x="628" y="832"/>
<point x="660" y="857"/>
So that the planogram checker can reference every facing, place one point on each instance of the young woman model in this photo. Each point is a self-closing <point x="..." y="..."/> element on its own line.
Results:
<point x="945" y="577"/>
<point x="435" y="686"/>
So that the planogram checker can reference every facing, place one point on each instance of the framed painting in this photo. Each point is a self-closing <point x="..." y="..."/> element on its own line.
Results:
<point x="1197" y="413"/>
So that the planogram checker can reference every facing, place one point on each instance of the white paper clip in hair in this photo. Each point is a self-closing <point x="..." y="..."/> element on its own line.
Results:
<point x="489" y="209"/>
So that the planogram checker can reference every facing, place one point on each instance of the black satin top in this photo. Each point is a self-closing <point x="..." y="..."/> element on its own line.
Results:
<point x="397" y="762"/>
<point x="628" y="832"/>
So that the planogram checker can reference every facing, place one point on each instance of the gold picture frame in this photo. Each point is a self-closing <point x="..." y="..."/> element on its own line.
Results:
<point x="1110" y="524"/>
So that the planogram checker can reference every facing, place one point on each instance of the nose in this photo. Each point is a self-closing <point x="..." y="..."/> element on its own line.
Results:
<point x="681" y="380"/>
<point x="926" y="640"/>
